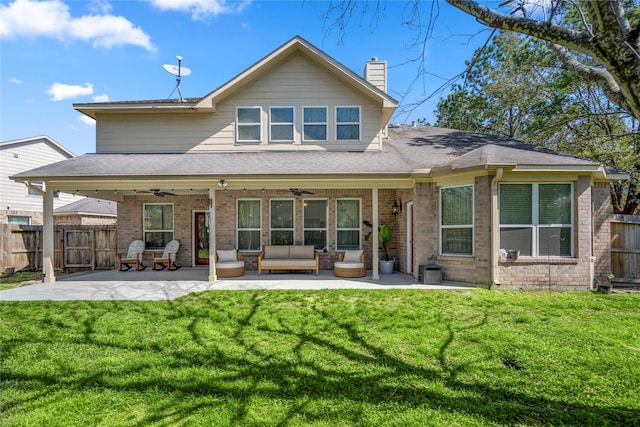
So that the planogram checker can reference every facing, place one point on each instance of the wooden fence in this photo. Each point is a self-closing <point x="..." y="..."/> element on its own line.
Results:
<point x="625" y="249"/>
<point x="76" y="247"/>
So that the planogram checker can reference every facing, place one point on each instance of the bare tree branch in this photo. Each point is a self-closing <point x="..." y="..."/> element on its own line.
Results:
<point x="613" y="43"/>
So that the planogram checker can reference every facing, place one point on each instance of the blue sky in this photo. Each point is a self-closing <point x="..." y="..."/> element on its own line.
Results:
<point x="55" y="53"/>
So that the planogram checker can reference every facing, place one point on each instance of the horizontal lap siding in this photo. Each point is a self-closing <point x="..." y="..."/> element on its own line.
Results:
<point x="22" y="157"/>
<point x="296" y="83"/>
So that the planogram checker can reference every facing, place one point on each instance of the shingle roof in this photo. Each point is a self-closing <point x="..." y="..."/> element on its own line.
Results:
<point x="405" y="150"/>
<point x="89" y="205"/>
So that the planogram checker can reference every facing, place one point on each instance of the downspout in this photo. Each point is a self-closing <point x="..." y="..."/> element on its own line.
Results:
<point x="495" y="227"/>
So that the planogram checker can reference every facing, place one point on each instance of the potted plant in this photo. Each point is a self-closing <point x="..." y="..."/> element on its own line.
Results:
<point x="385" y="265"/>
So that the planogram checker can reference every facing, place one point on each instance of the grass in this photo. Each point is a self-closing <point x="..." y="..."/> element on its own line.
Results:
<point x="324" y="358"/>
<point x="19" y="278"/>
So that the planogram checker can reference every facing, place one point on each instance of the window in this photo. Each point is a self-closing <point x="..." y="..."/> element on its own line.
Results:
<point x="537" y="219"/>
<point x="281" y="225"/>
<point x="315" y="223"/>
<point x="40" y="185"/>
<point x="348" y="123"/>
<point x="249" y="220"/>
<point x="158" y="225"/>
<point x="314" y="124"/>
<point x="456" y="220"/>
<point x="248" y="124"/>
<point x="18" y="219"/>
<point x="348" y="224"/>
<point x="281" y="123"/>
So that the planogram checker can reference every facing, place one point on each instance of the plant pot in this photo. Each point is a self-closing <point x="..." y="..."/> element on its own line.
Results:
<point x="513" y="254"/>
<point x="9" y="271"/>
<point x="386" y="267"/>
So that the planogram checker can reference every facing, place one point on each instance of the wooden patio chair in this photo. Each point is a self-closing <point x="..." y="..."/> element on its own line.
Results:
<point x="133" y="256"/>
<point x="168" y="257"/>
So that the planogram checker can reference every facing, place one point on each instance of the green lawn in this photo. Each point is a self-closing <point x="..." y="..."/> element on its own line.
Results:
<point x="324" y="358"/>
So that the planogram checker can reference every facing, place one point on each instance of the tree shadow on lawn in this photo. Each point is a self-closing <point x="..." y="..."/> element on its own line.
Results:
<point x="257" y="374"/>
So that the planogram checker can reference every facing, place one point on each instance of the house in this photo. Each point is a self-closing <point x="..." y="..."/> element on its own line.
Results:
<point x="298" y="149"/>
<point x="21" y="204"/>
<point x="87" y="211"/>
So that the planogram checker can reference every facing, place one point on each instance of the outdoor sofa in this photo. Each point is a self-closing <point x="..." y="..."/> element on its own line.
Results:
<point x="289" y="257"/>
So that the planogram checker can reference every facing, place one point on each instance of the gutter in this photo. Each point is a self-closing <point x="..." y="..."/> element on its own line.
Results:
<point x="495" y="226"/>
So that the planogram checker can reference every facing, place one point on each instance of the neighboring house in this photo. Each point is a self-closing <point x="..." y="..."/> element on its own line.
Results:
<point x="20" y="204"/>
<point x="87" y="211"/>
<point x="226" y="171"/>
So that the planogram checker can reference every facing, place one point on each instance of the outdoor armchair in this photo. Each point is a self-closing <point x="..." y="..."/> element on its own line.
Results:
<point x="168" y="257"/>
<point x="229" y="263"/>
<point x="351" y="264"/>
<point x="133" y="256"/>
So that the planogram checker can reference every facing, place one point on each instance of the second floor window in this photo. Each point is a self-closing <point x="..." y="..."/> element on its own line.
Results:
<point x="348" y="123"/>
<point x="248" y="124"/>
<point x="40" y="185"/>
<point x="315" y="124"/>
<point x="281" y="123"/>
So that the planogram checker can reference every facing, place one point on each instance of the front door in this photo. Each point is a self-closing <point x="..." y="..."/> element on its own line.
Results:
<point x="201" y="238"/>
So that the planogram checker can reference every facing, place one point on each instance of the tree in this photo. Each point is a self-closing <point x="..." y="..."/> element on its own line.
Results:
<point x="607" y="37"/>
<point x="515" y="88"/>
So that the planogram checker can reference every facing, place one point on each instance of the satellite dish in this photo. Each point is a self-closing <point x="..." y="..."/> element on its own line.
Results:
<point x="176" y="70"/>
<point x="179" y="71"/>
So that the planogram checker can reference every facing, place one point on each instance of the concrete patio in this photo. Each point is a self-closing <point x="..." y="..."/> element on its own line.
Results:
<point x="149" y="285"/>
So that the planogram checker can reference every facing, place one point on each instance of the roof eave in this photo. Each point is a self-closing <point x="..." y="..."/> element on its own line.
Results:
<point x="91" y="110"/>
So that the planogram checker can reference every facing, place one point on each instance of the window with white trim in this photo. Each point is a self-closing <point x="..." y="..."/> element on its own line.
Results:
<point x="348" y="220"/>
<point x="456" y="220"/>
<point x="249" y="224"/>
<point x="281" y="120"/>
<point x="348" y="123"/>
<point x="248" y="124"/>
<point x="537" y="219"/>
<point x="314" y="221"/>
<point x="40" y="185"/>
<point x="281" y="219"/>
<point x="19" y="219"/>
<point x="157" y="225"/>
<point x="314" y="123"/>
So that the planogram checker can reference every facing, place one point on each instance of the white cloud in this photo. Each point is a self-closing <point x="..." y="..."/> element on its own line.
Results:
<point x="87" y="120"/>
<point x="15" y="81"/>
<point x="60" y="91"/>
<point x="201" y="9"/>
<point x="101" y="98"/>
<point x="51" y="18"/>
<point x="100" y="6"/>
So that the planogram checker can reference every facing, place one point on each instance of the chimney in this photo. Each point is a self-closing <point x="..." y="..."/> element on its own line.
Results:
<point x="375" y="72"/>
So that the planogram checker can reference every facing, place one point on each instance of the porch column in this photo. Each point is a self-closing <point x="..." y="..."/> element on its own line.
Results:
<point x="374" y="235"/>
<point x="47" y="237"/>
<point x="212" y="235"/>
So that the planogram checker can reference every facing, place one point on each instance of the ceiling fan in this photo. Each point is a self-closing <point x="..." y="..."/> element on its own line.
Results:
<point x="158" y="193"/>
<point x="299" y="192"/>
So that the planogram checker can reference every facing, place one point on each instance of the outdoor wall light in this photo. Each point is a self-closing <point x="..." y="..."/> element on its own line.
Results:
<point x="222" y="184"/>
<point x="396" y="208"/>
